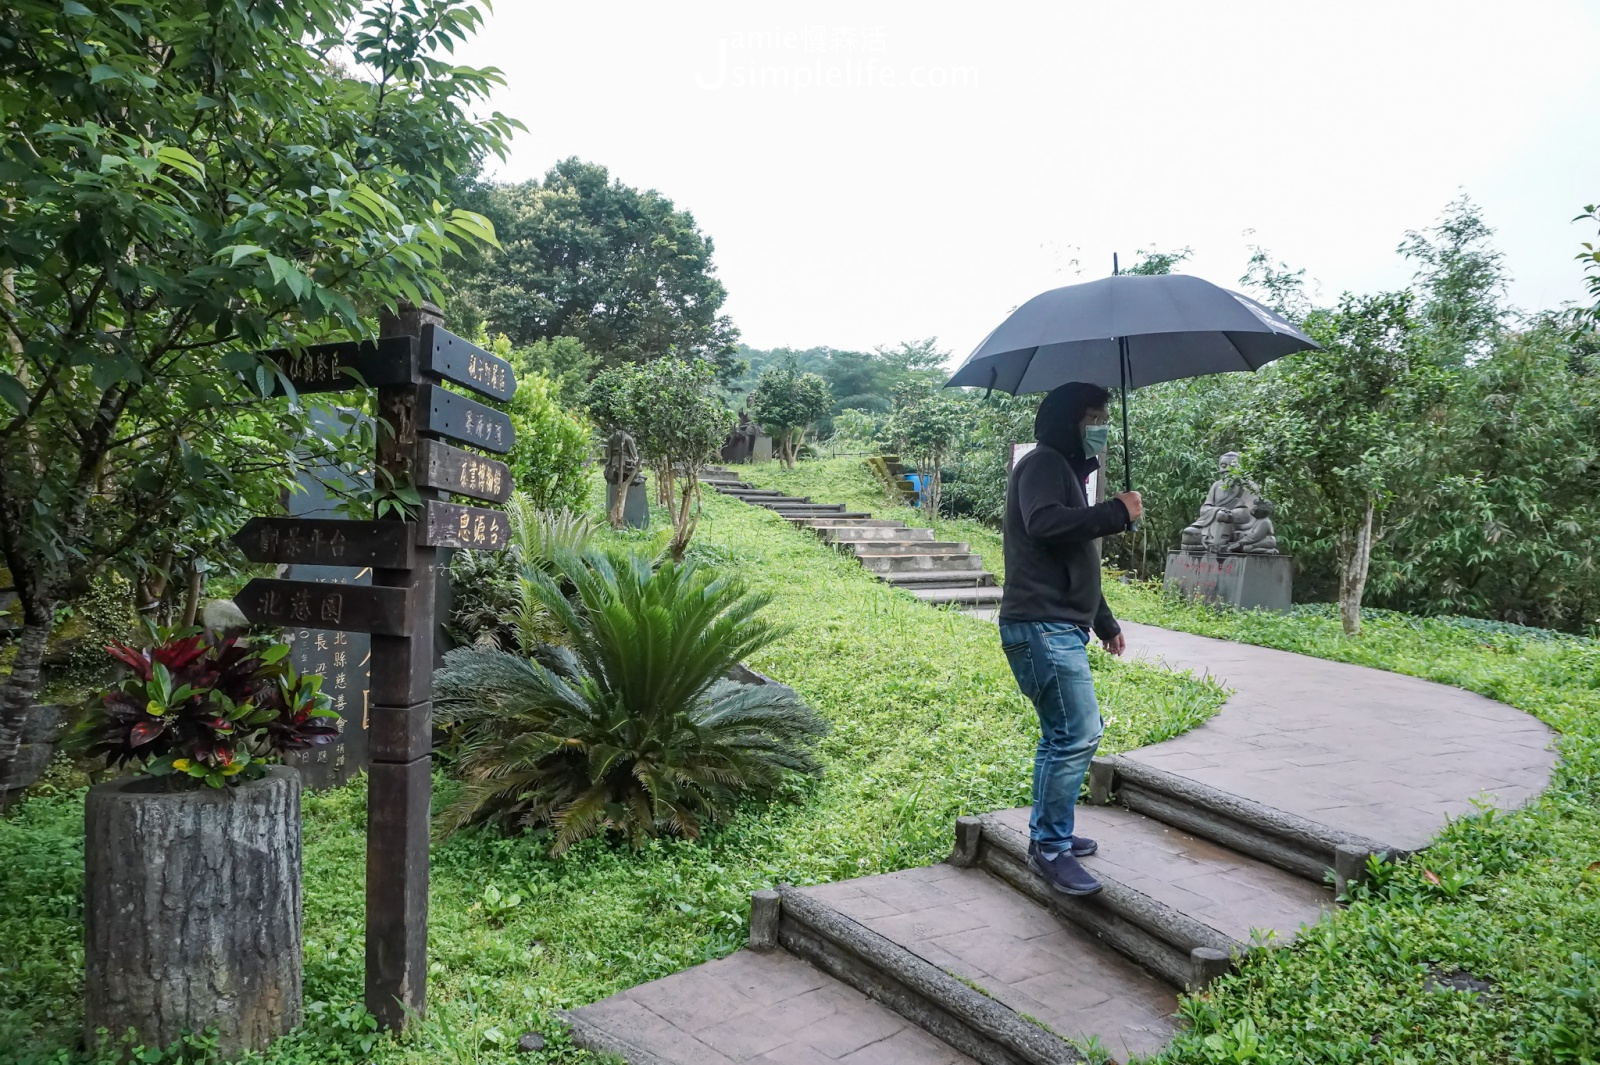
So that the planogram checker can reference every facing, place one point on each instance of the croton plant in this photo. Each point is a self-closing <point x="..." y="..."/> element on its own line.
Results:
<point x="217" y="710"/>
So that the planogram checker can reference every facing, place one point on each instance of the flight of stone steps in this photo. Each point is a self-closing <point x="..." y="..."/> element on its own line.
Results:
<point x="977" y="960"/>
<point x="939" y="572"/>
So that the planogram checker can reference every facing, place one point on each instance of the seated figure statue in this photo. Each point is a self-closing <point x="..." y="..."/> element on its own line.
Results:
<point x="1256" y="536"/>
<point x="1226" y="509"/>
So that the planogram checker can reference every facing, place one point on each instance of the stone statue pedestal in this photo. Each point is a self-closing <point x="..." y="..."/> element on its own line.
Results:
<point x="763" y="449"/>
<point x="636" y="511"/>
<point x="1245" y="581"/>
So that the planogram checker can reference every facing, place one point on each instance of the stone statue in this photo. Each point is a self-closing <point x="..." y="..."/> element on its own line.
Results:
<point x="622" y="457"/>
<point x="1229" y="521"/>
<point x="1256" y="536"/>
<point x="622" y="471"/>
<point x="741" y="443"/>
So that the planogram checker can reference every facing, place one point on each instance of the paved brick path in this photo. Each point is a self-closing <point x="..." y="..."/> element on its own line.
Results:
<point x="1379" y="754"/>
<point x="1365" y="752"/>
<point x="979" y="930"/>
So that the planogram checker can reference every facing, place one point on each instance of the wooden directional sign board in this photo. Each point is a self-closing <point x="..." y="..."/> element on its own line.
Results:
<point x="328" y="542"/>
<point x="448" y="356"/>
<point x="328" y="367"/>
<point x="463" y="419"/>
<point x="343" y="607"/>
<point x="467" y="528"/>
<point x="453" y="470"/>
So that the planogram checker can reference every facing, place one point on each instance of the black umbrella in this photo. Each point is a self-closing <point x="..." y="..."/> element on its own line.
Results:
<point x="1125" y="331"/>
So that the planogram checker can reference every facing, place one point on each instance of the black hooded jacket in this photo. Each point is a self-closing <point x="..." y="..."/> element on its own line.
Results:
<point x="1052" y="535"/>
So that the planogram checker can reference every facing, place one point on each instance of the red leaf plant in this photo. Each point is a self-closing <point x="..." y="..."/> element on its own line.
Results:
<point x="208" y="710"/>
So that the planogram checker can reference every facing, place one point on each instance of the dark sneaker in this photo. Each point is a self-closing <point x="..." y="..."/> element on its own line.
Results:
<point x="1062" y="871"/>
<point x="1083" y="846"/>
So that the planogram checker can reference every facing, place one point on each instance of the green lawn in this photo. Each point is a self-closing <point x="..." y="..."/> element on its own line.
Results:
<point x="927" y="725"/>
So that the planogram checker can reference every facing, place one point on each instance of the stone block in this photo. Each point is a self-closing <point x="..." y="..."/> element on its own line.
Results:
<point x="1245" y="581"/>
<point x="636" y="511"/>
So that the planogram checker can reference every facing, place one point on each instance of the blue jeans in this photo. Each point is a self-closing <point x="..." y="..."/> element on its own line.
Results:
<point x="1050" y="660"/>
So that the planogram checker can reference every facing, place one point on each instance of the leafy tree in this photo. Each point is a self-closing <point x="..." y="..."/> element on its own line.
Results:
<point x="552" y="446"/>
<point x="564" y="360"/>
<point x="583" y="255"/>
<point x="856" y="430"/>
<point x="785" y="403"/>
<point x="1335" y="433"/>
<point x="186" y="182"/>
<point x="1504" y="523"/>
<point x="1590" y="258"/>
<point x="676" y="415"/>
<point x="630" y="727"/>
<point x="927" y="424"/>
<point x="1152" y="262"/>
<point x="1462" y="279"/>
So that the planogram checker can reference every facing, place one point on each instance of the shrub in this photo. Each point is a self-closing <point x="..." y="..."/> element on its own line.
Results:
<point x="552" y="446"/>
<point x="214" y="710"/>
<point x="634" y="727"/>
<point x="491" y="607"/>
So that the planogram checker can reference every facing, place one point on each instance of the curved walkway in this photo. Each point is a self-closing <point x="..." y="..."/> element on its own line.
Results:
<point x="1362" y="750"/>
<point x="975" y="960"/>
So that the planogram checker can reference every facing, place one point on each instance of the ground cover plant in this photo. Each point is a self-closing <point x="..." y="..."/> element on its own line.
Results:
<point x="926" y="724"/>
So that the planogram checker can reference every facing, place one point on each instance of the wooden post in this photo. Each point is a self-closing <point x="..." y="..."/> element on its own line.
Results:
<point x="399" y="783"/>
<point x="408" y="364"/>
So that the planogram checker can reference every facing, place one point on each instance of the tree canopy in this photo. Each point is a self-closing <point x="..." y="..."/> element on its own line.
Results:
<point x="582" y="255"/>
<point x="187" y="184"/>
<point x="785" y="403"/>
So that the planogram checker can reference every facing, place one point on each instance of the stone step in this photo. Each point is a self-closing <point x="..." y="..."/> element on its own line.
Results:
<point x="746" y="492"/>
<point x="940" y="578"/>
<point x="1291" y="842"/>
<point x="868" y="548"/>
<point x="986" y="596"/>
<point x="753" y="1006"/>
<point x="986" y="968"/>
<point x="800" y="506"/>
<point x="1178" y="905"/>
<point x="824" y="522"/>
<point x="853" y="533"/>
<point x="900" y="563"/>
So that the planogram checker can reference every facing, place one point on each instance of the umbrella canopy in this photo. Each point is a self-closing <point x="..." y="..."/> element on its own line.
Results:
<point x="1170" y="325"/>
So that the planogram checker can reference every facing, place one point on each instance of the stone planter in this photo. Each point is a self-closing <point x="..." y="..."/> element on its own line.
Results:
<point x="41" y="730"/>
<point x="192" y="910"/>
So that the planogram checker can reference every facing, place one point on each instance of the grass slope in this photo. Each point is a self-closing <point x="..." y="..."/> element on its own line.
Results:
<point x="927" y="724"/>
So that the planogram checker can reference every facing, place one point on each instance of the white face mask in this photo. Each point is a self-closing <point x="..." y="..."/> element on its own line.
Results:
<point x="1095" y="439"/>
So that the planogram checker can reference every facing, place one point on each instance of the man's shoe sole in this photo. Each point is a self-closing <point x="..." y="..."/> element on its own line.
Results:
<point x="1084" y="854"/>
<point x="1042" y="875"/>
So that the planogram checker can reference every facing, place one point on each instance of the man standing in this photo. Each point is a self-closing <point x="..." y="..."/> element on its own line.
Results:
<point x="1051" y="603"/>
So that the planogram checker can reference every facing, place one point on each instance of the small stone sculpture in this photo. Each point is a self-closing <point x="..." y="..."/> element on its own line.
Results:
<point x="1234" y="519"/>
<point x="741" y="443"/>
<point x="1257" y="536"/>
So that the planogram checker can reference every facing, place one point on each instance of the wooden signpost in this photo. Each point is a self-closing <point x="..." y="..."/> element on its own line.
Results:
<point x="408" y="364"/>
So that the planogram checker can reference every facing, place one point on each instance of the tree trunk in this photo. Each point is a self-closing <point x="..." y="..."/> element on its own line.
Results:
<point x="683" y="520"/>
<point x="191" y="597"/>
<point x="1355" y="552"/>
<point x="18" y="691"/>
<point x="192" y="910"/>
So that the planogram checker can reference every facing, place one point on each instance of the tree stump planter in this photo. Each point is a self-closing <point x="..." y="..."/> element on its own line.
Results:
<point x="192" y="910"/>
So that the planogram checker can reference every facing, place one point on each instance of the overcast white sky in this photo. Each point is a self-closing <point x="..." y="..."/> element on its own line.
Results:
<point x="872" y="172"/>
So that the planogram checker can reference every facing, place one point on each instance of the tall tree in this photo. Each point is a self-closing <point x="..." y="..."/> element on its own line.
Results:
<point x="1334" y="433"/>
<point x="583" y="255"/>
<point x="1462" y="280"/>
<point x="186" y="183"/>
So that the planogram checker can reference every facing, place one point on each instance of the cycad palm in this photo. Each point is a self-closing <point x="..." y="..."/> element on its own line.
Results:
<point x="633" y="727"/>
